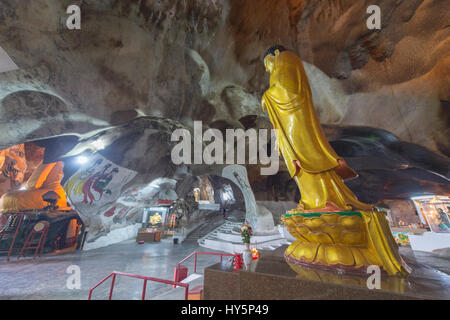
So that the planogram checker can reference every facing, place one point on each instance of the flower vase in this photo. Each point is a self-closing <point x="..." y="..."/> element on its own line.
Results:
<point x="247" y="255"/>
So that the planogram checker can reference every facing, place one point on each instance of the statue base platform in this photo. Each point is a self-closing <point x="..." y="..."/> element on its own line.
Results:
<point x="345" y="241"/>
<point x="429" y="241"/>
<point x="271" y="278"/>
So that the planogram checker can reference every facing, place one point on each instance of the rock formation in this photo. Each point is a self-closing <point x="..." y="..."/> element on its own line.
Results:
<point x="137" y="70"/>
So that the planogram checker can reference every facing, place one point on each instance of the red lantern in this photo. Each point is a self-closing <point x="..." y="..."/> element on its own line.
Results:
<point x="238" y="263"/>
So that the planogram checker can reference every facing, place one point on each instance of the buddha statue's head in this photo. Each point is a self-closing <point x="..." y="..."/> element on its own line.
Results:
<point x="271" y="55"/>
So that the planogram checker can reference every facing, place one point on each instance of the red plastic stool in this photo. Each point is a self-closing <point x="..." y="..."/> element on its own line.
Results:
<point x="40" y="228"/>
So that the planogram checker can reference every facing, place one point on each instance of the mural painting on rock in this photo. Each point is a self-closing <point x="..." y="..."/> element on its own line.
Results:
<point x="93" y="191"/>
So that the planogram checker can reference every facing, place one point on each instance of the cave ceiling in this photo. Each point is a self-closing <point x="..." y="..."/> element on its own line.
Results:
<point x="138" y="69"/>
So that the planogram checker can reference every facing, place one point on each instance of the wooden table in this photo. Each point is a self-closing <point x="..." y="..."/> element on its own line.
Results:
<point x="148" y="236"/>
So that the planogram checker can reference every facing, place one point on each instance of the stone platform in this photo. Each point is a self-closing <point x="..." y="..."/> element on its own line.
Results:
<point x="271" y="278"/>
<point x="227" y="238"/>
<point x="429" y="241"/>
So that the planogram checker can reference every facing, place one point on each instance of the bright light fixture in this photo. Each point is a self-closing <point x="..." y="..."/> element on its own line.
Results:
<point x="82" y="159"/>
<point x="225" y="196"/>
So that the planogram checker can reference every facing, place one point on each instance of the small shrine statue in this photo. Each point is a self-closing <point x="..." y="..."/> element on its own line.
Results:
<point x="333" y="229"/>
<point x="444" y="222"/>
<point x="155" y="219"/>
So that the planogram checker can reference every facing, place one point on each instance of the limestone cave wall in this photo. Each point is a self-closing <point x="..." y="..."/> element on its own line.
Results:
<point x="137" y="70"/>
<point x="201" y="60"/>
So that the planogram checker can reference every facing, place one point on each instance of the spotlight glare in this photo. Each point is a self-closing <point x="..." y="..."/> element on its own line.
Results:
<point x="82" y="159"/>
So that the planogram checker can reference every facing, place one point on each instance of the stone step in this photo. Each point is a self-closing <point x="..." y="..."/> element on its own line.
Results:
<point x="236" y="237"/>
<point x="226" y="237"/>
<point x="192" y="277"/>
<point x="233" y="247"/>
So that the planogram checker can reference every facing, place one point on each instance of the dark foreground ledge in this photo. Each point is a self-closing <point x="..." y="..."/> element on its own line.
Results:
<point x="271" y="278"/>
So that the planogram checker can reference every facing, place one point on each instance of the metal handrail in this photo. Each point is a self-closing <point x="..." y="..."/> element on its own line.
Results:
<point x="16" y="232"/>
<point x="116" y="273"/>
<point x="207" y="253"/>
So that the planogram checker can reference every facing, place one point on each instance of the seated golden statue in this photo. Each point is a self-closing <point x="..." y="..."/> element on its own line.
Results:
<point x="13" y="166"/>
<point x="45" y="180"/>
<point x="333" y="228"/>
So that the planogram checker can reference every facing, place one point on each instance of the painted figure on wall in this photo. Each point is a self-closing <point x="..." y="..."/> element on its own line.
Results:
<point x="98" y="182"/>
<point x="444" y="222"/>
<point x="89" y="182"/>
<point x="78" y="180"/>
<point x="102" y="182"/>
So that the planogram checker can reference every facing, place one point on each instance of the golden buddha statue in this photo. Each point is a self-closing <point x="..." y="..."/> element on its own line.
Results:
<point x="333" y="229"/>
<point x="46" y="178"/>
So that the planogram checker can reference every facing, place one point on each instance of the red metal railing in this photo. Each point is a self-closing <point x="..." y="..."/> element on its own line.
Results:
<point x="115" y="273"/>
<point x="16" y="232"/>
<point x="195" y="260"/>
<point x="39" y="247"/>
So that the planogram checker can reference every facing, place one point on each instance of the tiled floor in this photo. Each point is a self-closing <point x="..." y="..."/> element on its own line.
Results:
<point x="426" y="261"/>
<point x="46" y="277"/>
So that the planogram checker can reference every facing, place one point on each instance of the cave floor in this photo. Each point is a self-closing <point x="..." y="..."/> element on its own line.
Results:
<point x="45" y="278"/>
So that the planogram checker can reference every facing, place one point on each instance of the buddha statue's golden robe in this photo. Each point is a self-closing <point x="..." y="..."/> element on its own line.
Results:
<point x="45" y="178"/>
<point x="310" y="159"/>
